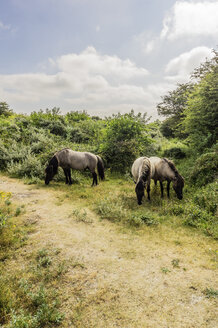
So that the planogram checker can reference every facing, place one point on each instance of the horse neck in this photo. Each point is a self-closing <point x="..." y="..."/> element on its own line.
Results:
<point x="54" y="162"/>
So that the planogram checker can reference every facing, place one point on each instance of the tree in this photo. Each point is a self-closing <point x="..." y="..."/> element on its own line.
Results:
<point x="125" y="138"/>
<point x="201" y="114"/>
<point x="173" y="106"/>
<point x="5" y="110"/>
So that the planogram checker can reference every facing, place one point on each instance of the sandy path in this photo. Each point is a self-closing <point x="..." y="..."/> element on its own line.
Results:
<point x="127" y="278"/>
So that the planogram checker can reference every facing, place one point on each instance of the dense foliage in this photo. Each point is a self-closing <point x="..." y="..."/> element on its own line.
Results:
<point x="192" y="109"/>
<point x="28" y="141"/>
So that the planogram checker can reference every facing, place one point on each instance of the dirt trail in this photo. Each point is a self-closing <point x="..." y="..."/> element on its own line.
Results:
<point x="127" y="277"/>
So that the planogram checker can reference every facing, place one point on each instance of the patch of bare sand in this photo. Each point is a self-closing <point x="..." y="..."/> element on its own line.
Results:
<point x="119" y="278"/>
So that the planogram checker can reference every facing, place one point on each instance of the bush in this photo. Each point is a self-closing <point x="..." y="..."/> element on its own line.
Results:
<point x="205" y="169"/>
<point x="174" y="152"/>
<point x="13" y="152"/>
<point x="199" y="218"/>
<point x="125" y="138"/>
<point x="5" y="301"/>
<point x="4" y="209"/>
<point x="110" y="209"/>
<point x="206" y="198"/>
<point x="28" y="167"/>
<point x="58" y="128"/>
<point x="140" y="219"/>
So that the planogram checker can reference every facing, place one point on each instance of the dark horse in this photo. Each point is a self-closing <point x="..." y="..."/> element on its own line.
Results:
<point x="69" y="159"/>
<point x="159" y="169"/>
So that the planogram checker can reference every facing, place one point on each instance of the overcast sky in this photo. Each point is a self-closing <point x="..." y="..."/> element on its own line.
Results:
<point x="102" y="56"/>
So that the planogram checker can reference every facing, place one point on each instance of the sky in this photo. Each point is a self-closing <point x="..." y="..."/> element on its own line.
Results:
<point x="102" y="56"/>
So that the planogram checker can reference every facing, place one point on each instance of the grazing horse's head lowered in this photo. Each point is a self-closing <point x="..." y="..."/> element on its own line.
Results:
<point x="178" y="184"/>
<point x="69" y="159"/>
<point x="178" y="181"/>
<point x="139" y="189"/>
<point x="159" y="169"/>
<point x="142" y="167"/>
<point x="51" y="170"/>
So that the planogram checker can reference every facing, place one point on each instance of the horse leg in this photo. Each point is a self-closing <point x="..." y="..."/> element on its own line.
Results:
<point x="168" y="189"/>
<point x="69" y="176"/>
<point x="148" y="191"/>
<point x="161" y="188"/>
<point x="95" y="179"/>
<point x="66" y="175"/>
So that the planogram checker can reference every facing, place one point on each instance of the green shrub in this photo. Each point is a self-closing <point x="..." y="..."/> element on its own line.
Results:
<point x="177" y="209"/>
<point x="124" y="139"/>
<point x="57" y="128"/>
<point x="38" y="310"/>
<point x="206" y="198"/>
<point x="199" y="218"/>
<point x="28" y="167"/>
<point x="174" y="152"/>
<point x="5" y="300"/>
<point x="205" y="169"/>
<point x="210" y="293"/>
<point x="12" y="152"/>
<point x="4" y="209"/>
<point x="137" y="220"/>
<point x="110" y="209"/>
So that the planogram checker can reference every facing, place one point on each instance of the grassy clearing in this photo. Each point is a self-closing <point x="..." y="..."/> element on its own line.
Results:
<point x="115" y="200"/>
<point x="44" y="288"/>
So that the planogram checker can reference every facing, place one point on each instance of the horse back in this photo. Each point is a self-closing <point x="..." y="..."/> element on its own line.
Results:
<point x="69" y="158"/>
<point x="160" y="169"/>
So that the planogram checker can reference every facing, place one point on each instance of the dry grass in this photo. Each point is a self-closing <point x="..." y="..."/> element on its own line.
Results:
<point x="113" y="273"/>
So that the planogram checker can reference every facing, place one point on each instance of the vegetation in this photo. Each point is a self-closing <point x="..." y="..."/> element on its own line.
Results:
<point x="188" y="135"/>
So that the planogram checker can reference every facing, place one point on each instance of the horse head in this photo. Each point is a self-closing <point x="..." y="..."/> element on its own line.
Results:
<point x="51" y="170"/>
<point x="178" y="184"/>
<point x="139" y="189"/>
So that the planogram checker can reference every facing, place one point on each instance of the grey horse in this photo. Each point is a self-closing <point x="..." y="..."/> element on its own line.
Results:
<point x="69" y="159"/>
<point x="159" y="169"/>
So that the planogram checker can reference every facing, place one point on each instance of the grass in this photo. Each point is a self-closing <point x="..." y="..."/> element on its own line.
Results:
<point x="30" y="300"/>
<point x="115" y="200"/>
<point x="26" y="296"/>
<point x="48" y="291"/>
<point x="210" y="293"/>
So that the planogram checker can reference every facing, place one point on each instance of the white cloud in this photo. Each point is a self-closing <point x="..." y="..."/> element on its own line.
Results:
<point x="186" y="22"/>
<point x="4" y="27"/>
<point x="188" y="19"/>
<point x="92" y="64"/>
<point x="101" y="84"/>
<point x="179" y="68"/>
<point x="97" y="28"/>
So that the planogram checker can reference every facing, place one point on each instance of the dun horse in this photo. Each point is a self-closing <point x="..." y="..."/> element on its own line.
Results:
<point x="69" y="159"/>
<point x="159" y="169"/>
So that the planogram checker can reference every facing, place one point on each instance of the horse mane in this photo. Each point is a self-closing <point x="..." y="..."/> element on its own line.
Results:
<point x="173" y="168"/>
<point x="54" y="163"/>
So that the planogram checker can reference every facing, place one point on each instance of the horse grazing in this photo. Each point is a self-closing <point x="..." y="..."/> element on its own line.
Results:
<point x="141" y="171"/>
<point x="159" y="169"/>
<point x="69" y="159"/>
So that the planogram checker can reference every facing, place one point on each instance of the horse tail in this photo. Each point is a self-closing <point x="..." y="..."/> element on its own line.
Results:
<point x="100" y="167"/>
<point x="146" y="169"/>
